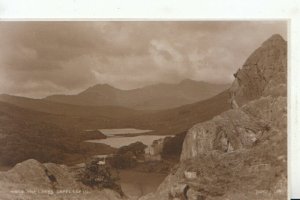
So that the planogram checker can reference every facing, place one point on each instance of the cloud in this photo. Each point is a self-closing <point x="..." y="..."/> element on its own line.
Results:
<point x="43" y="58"/>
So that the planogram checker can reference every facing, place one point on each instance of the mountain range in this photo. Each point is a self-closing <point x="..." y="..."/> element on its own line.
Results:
<point x="153" y="97"/>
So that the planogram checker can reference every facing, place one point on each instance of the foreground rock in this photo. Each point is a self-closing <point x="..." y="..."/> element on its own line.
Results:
<point x="242" y="153"/>
<point x="33" y="180"/>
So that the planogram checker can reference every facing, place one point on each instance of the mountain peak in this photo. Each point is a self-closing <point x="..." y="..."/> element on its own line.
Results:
<point x="101" y="86"/>
<point x="274" y="40"/>
<point x="276" y="37"/>
<point x="264" y="72"/>
<point x="188" y="81"/>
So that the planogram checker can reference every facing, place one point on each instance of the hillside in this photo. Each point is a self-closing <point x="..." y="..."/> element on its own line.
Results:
<point x="31" y="124"/>
<point x="46" y="106"/>
<point x="48" y="138"/>
<point x="154" y="97"/>
<point x="179" y="119"/>
<point x="170" y="121"/>
<point x="241" y="153"/>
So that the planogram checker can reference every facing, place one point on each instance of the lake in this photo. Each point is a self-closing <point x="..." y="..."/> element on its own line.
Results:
<point x="114" y="138"/>
<point x="135" y="183"/>
<point x="122" y="131"/>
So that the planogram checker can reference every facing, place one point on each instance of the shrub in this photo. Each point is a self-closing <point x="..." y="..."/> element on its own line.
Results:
<point x="100" y="176"/>
<point x="127" y="156"/>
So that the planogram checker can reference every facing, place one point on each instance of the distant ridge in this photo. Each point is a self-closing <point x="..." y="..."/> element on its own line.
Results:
<point x="153" y="97"/>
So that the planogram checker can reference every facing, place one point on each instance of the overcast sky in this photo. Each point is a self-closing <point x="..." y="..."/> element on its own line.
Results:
<point x="42" y="58"/>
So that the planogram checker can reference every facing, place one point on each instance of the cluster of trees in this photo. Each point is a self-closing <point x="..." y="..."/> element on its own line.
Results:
<point x="100" y="176"/>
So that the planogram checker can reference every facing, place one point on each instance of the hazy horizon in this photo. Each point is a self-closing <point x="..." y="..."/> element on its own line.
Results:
<point x="38" y="59"/>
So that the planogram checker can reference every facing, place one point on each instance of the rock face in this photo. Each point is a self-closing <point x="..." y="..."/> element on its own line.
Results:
<point x="264" y="72"/>
<point x="262" y="81"/>
<point x="240" y="154"/>
<point x="172" y="146"/>
<point x="33" y="180"/>
<point x="227" y="132"/>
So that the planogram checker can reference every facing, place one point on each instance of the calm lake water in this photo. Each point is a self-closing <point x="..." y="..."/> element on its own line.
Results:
<point x="122" y="131"/>
<point x="115" y="140"/>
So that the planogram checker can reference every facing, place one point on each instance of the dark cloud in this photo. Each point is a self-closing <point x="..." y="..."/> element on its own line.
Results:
<point x="42" y="58"/>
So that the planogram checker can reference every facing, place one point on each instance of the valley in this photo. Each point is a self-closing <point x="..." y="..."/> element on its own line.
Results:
<point x="69" y="122"/>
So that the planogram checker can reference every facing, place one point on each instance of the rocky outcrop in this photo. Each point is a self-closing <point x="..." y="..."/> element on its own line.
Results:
<point x="153" y="151"/>
<point x="230" y="131"/>
<point x="168" y="148"/>
<point x="264" y="72"/>
<point x="237" y="128"/>
<point x="173" y="146"/>
<point x="240" y="154"/>
<point x="33" y="180"/>
<point x="262" y="81"/>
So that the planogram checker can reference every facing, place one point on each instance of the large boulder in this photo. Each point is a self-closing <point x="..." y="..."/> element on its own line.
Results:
<point x="237" y="128"/>
<point x="34" y="180"/>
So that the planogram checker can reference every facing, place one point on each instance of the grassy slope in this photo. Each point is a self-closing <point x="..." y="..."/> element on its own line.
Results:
<point x="174" y="121"/>
<point x="29" y="134"/>
<point x="41" y="105"/>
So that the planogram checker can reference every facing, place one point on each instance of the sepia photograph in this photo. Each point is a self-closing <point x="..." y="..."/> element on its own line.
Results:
<point x="144" y="110"/>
